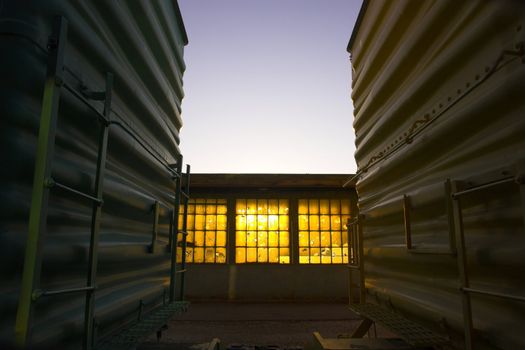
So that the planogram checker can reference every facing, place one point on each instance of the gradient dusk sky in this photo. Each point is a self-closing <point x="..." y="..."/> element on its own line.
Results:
<point x="268" y="86"/>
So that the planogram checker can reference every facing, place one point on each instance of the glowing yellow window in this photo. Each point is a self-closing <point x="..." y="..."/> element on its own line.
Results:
<point x="262" y="231"/>
<point x="206" y="227"/>
<point x="322" y="231"/>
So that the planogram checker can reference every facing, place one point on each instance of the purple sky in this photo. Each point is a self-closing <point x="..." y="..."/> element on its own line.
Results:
<point x="268" y="86"/>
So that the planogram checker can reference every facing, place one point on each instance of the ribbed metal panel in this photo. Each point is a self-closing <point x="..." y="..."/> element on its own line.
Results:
<point x="438" y="94"/>
<point x="141" y="43"/>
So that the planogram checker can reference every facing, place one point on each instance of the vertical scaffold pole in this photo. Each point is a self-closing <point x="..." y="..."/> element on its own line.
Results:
<point x="174" y="233"/>
<point x="462" y="267"/>
<point x="88" y="340"/>
<point x="40" y="195"/>
<point x="184" y="230"/>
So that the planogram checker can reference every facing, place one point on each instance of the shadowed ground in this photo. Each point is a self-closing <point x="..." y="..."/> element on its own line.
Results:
<point x="281" y="324"/>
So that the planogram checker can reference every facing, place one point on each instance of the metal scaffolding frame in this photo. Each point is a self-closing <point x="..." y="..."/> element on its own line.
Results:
<point x="43" y="183"/>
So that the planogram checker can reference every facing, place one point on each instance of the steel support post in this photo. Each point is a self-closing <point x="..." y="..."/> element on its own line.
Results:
<point x="170" y="230"/>
<point x="361" y="260"/>
<point x="520" y="181"/>
<point x="155" y="228"/>
<point x="450" y="217"/>
<point x="174" y="233"/>
<point x="350" y="240"/>
<point x="462" y="267"/>
<point x="88" y="338"/>
<point x="40" y="195"/>
<point x="406" y="219"/>
<point x="294" y="231"/>
<point x="231" y="231"/>
<point x="184" y="231"/>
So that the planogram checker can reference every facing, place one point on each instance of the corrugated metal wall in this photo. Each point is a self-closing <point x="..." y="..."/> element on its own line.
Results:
<point x="141" y="43"/>
<point x="438" y="91"/>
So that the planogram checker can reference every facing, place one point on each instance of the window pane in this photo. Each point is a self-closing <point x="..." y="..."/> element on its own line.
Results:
<point x="322" y="230"/>
<point x="252" y="222"/>
<point x="211" y="209"/>
<point x="198" y="255"/>
<point x="189" y="255"/>
<point x="303" y="239"/>
<point x="315" y="256"/>
<point x="252" y="206"/>
<point x="304" y="255"/>
<point x="211" y="223"/>
<point x="336" y="222"/>
<point x="240" y="255"/>
<point x="273" y="206"/>
<point x="240" y="207"/>
<point x="261" y="224"/>
<point x="345" y="206"/>
<point x="199" y="222"/>
<point x="221" y="255"/>
<point x="262" y="238"/>
<point x="314" y="239"/>
<point x="221" y="222"/>
<point x="335" y="206"/>
<point x="324" y="206"/>
<point x="303" y="206"/>
<point x="325" y="239"/>
<point x="325" y="222"/>
<point x="284" y="239"/>
<point x="251" y="239"/>
<point x="314" y="222"/>
<point x="283" y="206"/>
<point x="210" y="238"/>
<point x="240" y="222"/>
<point x="199" y="239"/>
<point x="303" y="222"/>
<point x="283" y="222"/>
<point x="273" y="222"/>
<point x="273" y="255"/>
<point x="273" y="239"/>
<point x="190" y="222"/>
<point x="206" y="227"/>
<point x="210" y="255"/>
<point x="221" y="209"/>
<point x="199" y="208"/>
<point x="336" y="239"/>
<point x="262" y="206"/>
<point x="221" y="239"/>
<point x="240" y="239"/>
<point x="313" y="206"/>
<point x="251" y="255"/>
<point x="284" y="256"/>
<point x="262" y="255"/>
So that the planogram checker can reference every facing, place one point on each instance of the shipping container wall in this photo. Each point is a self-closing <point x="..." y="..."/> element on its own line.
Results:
<point x="438" y="91"/>
<point x="141" y="43"/>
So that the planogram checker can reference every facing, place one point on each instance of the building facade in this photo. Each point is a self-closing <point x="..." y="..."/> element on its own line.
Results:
<point x="268" y="236"/>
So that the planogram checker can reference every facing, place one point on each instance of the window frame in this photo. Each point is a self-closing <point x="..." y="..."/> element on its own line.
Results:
<point x="204" y="230"/>
<point x="292" y="195"/>
<point x="343" y="219"/>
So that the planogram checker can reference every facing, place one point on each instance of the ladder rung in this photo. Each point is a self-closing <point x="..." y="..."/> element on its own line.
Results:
<point x="184" y="194"/>
<point x="52" y="183"/>
<point x="47" y="293"/>
<point x="180" y="271"/>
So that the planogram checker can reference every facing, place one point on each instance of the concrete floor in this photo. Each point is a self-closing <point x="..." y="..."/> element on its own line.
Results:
<point x="282" y="324"/>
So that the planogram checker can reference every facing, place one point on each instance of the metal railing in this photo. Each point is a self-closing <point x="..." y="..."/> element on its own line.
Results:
<point x="459" y="190"/>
